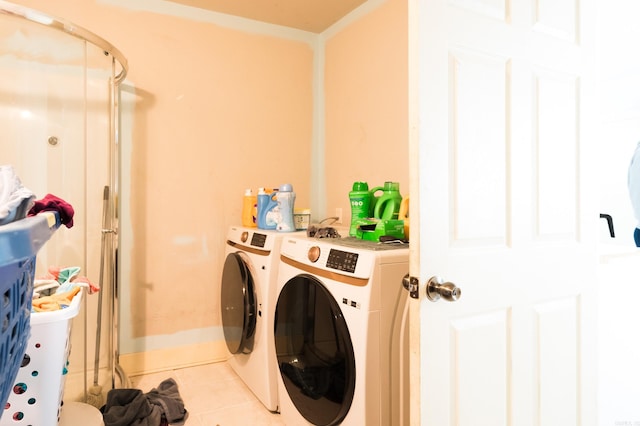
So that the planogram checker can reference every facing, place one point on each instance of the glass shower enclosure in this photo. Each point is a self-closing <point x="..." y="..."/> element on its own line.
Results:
<point x="59" y="94"/>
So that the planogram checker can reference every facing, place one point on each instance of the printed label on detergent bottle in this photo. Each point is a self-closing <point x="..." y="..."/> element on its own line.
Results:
<point x="360" y="200"/>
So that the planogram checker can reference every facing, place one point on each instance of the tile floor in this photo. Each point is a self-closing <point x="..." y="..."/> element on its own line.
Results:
<point x="213" y="395"/>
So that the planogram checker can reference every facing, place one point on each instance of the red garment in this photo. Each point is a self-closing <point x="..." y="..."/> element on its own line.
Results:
<point x="52" y="203"/>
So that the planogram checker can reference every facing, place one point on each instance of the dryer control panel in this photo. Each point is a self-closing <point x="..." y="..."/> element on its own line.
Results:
<point x="342" y="260"/>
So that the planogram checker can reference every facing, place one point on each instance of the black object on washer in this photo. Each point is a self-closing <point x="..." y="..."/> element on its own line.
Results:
<point x="314" y="351"/>
<point x="238" y="305"/>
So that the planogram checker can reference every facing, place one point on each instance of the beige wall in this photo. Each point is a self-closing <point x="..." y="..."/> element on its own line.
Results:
<point x="215" y="110"/>
<point x="229" y="112"/>
<point x="366" y="86"/>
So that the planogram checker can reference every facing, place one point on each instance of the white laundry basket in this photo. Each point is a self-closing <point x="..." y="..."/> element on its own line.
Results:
<point x="37" y="393"/>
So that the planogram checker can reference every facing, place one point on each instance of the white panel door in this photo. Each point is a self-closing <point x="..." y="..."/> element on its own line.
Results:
<point x="501" y="165"/>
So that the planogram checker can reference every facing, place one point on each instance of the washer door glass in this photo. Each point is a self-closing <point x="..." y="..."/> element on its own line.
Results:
<point x="314" y="351"/>
<point x="238" y="304"/>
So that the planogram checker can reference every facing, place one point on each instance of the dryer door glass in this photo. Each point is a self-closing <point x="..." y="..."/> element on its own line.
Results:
<point x="314" y="351"/>
<point x="238" y="304"/>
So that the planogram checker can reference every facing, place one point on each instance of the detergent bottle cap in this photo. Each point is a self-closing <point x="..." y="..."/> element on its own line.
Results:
<point x="286" y="187"/>
<point x="391" y="186"/>
<point x="360" y="186"/>
<point x="248" y="192"/>
<point x="261" y="191"/>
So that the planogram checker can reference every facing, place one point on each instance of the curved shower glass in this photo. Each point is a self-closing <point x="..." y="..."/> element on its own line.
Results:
<point x="59" y="92"/>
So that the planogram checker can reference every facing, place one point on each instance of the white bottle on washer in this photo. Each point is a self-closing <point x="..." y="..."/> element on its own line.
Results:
<point x="286" y="199"/>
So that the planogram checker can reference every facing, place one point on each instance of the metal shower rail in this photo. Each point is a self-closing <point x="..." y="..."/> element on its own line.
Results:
<point x="7" y="8"/>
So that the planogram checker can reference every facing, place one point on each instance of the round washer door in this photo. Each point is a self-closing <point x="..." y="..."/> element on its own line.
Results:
<point x="238" y="304"/>
<point x="314" y="351"/>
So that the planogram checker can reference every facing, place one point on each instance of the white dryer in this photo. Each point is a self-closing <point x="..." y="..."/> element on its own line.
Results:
<point x="340" y="332"/>
<point x="248" y="294"/>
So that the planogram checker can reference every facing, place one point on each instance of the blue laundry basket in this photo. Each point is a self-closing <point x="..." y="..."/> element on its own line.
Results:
<point x="19" y="244"/>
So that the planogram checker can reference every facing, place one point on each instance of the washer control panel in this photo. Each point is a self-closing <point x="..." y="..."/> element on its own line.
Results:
<point x="258" y="240"/>
<point x="342" y="260"/>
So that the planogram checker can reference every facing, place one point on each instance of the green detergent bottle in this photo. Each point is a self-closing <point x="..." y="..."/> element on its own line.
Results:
<point x="387" y="205"/>
<point x="360" y="199"/>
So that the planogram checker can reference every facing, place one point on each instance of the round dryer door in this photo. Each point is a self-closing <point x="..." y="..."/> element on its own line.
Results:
<point x="314" y="351"/>
<point x="238" y="304"/>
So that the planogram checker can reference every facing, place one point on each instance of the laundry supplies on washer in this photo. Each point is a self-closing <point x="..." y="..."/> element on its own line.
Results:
<point x="286" y="199"/>
<point x="376" y="217"/>
<point x="360" y="200"/>
<point x="267" y="209"/>
<point x="275" y="210"/>
<point x="387" y="205"/>
<point x="249" y="209"/>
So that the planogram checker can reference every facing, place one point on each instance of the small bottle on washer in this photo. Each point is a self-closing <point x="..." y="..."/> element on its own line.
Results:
<point x="249" y="209"/>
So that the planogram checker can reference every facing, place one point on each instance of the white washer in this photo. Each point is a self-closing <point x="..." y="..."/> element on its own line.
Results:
<point x="340" y="332"/>
<point x="247" y="308"/>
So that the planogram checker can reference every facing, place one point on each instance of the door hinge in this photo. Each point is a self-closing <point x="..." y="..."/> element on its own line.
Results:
<point x="412" y="285"/>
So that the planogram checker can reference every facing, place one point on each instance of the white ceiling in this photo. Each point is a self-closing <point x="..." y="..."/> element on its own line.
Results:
<point x="308" y="15"/>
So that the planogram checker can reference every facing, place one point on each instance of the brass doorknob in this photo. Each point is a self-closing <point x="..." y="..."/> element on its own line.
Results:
<point x="437" y="288"/>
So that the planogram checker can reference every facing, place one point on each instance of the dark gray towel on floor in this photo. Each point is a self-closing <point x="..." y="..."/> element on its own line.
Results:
<point x="130" y="407"/>
<point x="166" y="400"/>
